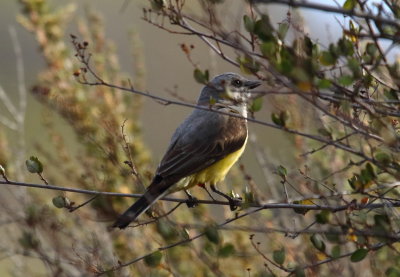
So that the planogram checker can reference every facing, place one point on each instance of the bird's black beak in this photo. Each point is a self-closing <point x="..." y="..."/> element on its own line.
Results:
<point x="252" y="84"/>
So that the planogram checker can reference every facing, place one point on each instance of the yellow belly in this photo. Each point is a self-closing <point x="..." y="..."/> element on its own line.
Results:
<point x="212" y="174"/>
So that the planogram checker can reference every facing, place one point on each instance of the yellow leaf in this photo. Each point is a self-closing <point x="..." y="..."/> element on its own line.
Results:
<point x="321" y="256"/>
<point x="307" y="202"/>
<point x="351" y="236"/>
<point x="304" y="86"/>
<point x="364" y="200"/>
<point x="124" y="189"/>
<point x="303" y="211"/>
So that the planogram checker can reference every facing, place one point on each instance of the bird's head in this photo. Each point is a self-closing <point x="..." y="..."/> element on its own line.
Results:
<point x="227" y="87"/>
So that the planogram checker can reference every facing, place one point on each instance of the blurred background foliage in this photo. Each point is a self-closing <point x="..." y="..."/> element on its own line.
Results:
<point x="342" y="91"/>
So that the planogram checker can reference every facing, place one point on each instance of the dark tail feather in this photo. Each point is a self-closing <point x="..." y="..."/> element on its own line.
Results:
<point x="153" y="193"/>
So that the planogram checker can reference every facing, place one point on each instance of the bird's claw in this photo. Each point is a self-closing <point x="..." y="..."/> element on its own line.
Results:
<point x="191" y="202"/>
<point x="235" y="203"/>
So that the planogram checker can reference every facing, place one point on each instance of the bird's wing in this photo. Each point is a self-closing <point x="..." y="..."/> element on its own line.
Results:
<point x="203" y="139"/>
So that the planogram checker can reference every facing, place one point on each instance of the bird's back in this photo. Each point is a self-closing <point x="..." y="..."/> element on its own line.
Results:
<point x="203" y="149"/>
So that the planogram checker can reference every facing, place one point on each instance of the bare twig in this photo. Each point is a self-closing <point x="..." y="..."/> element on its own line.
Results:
<point x="326" y="8"/>
<point x="185" y="241"/>
<point x="215" y="202"/>
<point x="72" y="209"/>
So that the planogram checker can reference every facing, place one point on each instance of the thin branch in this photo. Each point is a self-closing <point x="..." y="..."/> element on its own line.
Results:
<point x="84" y="58"/>
<point x="331" y="9"/>
<point x="157" y="218"/>
<point x="256" y="247"/>
<point x="72" y="209"/>
<point x="185" y="241"/>
<point x="294" y="233"/>
<point x="372" y="248"/>
<point x="167" y="101"/>
<point x="325" y="145"/>
<point x="351" y="205"/>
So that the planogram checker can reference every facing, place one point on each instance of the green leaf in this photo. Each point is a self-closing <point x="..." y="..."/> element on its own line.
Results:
<point x="367" y="59"/>
<point x="383" y="157"/>
<point x="355" y="182"/>
<point x="28" y="241"/>
<point x="248" y="65"/>
<point x="212" y="234"/>
<point x="327" y="58"/>
<point x="279" y="256"/>
<point x="355" y="67"/>
<point x="336" y="251"/>
<point x="345" y="80"/>
<point x="263" y="29"/>
<point x="391" y="94"/>
<point x="158" y="5"/>
<point x="358" y="255"/>
<point x="324" y="83"/>
<point x="371" y="49"/>
<point x="370" y="171"/>
<point x="201" y="77"/>
<point x="227" y="250"/>
<point x="32" y="215"/>
<point x="276" y="119"/>
<point x="308" y="45"/>
<point x="281" y="118"/>
<point x="389" y="30"/>
<point x="299" y="272"/>
<point x="323" y="217"/>
<point x="392" y="272"/>
<point x="317" y="242"/>
<point x="282" y="30"/>
<point x="184" y="233"/>
<point x="382" y="222"/>
<point x="349" y="4"/>
<point x="302" y="211"/>
<point x="396" y="11"/>
<point x="154" y="259"/>
<point x="257" y="104"/>
<point x="248" y="24"/>
<point x="301" y="74"/>
<point x="286" y="65"/>
<point x="209" y="248"/>
<point x="249" y="196"/>
<point x="367" y="175"/>
<point x="331" y="236"/>
<point x="34" y="165"/>
<point x="284" y="117"/>
<point x="166" y="230"/>
<point x="345" y="47"/>
<point x="61" y="202"/>
<point x="325" y="132"/>
<point x="282" y="171"/>
<point x="269" y="49"/>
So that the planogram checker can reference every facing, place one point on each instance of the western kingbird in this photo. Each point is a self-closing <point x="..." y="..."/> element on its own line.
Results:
<point x="204" y="147"/>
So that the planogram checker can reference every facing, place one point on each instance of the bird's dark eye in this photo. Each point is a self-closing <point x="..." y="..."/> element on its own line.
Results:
<point x="237" y="83"/>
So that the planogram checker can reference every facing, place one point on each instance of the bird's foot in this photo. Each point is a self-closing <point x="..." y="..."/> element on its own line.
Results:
<point x="192" y="201"/>
<point x="234" y="203"/>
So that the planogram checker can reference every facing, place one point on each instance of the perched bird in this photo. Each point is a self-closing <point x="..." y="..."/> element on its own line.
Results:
<point x="204" y="147"/>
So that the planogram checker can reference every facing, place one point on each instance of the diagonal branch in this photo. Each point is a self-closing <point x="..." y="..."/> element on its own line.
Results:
<point x="331" y="9"/>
